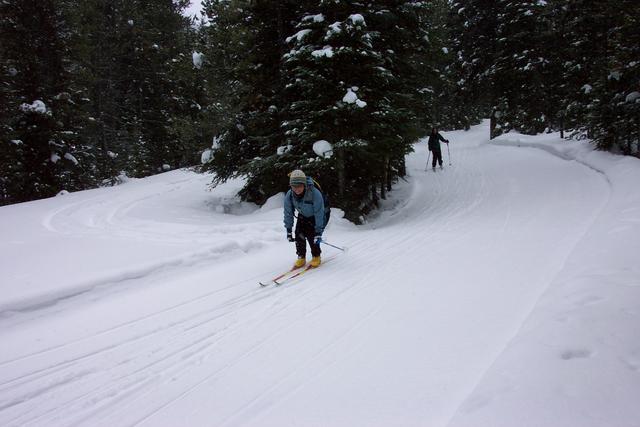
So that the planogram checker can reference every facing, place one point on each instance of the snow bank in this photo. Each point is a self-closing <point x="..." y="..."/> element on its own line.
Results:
<point x="273" y="203"/>
<point x="91" y="241"/>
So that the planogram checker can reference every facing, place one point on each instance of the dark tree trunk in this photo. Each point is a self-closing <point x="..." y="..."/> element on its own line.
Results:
<point x="385" y="177"/>
<point x="341" y="184"/>
<point x="492" y="125"/>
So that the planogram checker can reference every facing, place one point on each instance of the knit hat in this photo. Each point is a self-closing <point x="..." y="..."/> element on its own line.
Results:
<point x="297" y="177"/>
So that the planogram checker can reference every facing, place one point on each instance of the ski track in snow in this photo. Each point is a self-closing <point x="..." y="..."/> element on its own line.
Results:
<point x="386" y="334"/>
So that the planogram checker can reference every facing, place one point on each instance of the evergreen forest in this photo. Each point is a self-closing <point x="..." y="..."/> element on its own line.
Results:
<point x="95" y="91"/>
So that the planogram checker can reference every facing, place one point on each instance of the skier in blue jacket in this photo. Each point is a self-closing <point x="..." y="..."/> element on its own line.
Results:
<point x="307" y="200"/>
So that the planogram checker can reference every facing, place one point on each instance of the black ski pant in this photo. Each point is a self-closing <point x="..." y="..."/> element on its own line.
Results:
<point x="305" y="232"/>
<point x="437" y="157"/>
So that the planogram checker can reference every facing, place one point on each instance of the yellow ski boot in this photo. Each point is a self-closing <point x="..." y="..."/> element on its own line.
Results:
<point x="300" y="262"/>
<point x="315" y="261"/>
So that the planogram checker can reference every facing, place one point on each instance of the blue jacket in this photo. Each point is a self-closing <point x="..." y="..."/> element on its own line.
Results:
<point x="311" y="204"/>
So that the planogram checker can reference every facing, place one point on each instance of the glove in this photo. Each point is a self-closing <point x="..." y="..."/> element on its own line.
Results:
<point x="290" y="236"/>
<point x="317" y="240"/>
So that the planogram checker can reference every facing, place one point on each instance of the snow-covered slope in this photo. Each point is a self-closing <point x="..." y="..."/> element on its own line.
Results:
<point x="503" y="290"/>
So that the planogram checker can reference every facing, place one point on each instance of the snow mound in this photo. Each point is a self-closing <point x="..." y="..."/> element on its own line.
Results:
<point x="37" y="106"/>
<point x="352" y="98"/>
<point x="197" y="59"/>
<point x="323" y="148"/>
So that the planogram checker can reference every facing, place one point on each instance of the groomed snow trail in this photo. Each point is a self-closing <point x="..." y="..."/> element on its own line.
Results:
<point x="397" y="331"/>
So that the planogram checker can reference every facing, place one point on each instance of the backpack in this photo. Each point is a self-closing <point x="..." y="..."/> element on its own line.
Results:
<point x="325" y="199"/>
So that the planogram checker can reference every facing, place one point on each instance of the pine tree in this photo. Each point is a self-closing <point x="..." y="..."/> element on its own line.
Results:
<point x="626" y="75"/>
<point x="192" y="121"/>
<point x="342" y="72"/>
<point x="519" y="66"/>
<point x="101" y="39"/>
<point x="247" y="40"/>
<point x="41" y="150"/>
<point x="331" y="96"/>
<point x="453" y="102"/>
<point x="604" y="72"/>
<point x="161" y="42"/>
<point x="111" y="86"/>
<point x="475" y="44"/>
<point x="136" y="61"/>
<point x="223" y="44"/>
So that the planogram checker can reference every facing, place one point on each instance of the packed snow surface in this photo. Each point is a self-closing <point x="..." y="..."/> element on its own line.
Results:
<point x="503" y="290"/>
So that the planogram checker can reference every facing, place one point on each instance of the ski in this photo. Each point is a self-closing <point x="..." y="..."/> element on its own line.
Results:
<point x="297" y="274"/>
<point x="275" y="279"/>
<point x="306" y="269"/>
<point x="294" y="273"/>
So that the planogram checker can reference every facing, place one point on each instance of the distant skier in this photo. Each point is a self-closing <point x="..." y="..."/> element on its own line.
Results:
<point x="434" y="147"/>
<point x="308" y="201"/>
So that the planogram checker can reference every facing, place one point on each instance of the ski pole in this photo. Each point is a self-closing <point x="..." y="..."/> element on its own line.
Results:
<point x="333" y="246"/>
<point x="449" y="152"/>
<point x="428" y="157"/>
